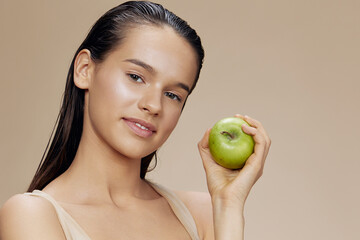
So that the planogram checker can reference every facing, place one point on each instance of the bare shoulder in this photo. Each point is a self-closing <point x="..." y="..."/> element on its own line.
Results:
<point x="200" y="206"/>
<point x="29" y="217"/>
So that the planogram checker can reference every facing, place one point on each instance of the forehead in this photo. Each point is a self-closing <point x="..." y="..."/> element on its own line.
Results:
<point x="169" y="54"/>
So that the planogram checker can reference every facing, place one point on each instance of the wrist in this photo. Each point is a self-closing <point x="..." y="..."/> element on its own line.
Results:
<point x="228" y="202"/>
<point x="223" y="207"/>
<point x="228" y="219"/>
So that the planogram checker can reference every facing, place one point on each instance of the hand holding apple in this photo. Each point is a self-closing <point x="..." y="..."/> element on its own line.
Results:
<point x="229" y="145"/>
<point x="233" y="186"/>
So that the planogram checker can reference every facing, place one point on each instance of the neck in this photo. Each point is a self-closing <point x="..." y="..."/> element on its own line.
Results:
<point x="98" y="173"/>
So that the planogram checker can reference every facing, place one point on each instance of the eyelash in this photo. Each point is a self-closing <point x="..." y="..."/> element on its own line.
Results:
<point x="171" y="95"/>
<point x="135" y="77"/>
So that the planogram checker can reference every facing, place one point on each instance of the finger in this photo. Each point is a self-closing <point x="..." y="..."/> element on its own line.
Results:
<point x="260" y="148"/>
<point x="262" y="141"/>
<point x="255" y="164"/>
<point x="249" y="129"/>
<point x="239" y="115"/>
<point x="257" y="135"/>
<point x="204" y="142"/>
<point x="209" y="163"/>
<point x="253" y="122"/>
<point x="203" y="146"/>
<point x="257" y="124"/>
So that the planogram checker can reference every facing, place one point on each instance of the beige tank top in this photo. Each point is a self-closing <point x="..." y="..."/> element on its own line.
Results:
<point x="73" y="230"/>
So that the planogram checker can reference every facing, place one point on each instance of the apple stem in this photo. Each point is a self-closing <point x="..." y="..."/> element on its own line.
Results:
<point x="231" y="136"/>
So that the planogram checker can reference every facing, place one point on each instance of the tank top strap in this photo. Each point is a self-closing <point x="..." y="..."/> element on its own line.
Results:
<point x="71" y="228"/>
<point x="180" y="210"/>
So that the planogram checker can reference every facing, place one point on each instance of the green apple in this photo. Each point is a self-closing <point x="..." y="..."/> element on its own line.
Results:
<point x="229" y="145"/>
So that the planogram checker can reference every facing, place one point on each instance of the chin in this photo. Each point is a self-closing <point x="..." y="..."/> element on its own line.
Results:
<point x="136" y="153"/>
<point x="138" y="156"/>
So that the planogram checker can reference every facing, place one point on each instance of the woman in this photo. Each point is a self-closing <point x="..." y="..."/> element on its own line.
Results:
<point x="126" y="88"/>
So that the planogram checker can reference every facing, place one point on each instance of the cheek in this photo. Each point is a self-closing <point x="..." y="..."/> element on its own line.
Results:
<point x="110" y="95"/>
<point x="109" y="98"/>
<point x="171" y="118"/>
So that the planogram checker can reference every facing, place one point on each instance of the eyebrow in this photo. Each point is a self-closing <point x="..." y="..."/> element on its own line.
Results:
<point x="141" y="64"/>
<point x="152" y="70"/>
<point x="183" y="86"/>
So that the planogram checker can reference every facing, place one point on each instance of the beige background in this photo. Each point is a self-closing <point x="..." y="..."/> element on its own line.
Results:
<point x="294" y="65"/>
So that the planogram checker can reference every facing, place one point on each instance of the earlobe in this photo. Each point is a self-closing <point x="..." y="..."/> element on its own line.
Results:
<point x="83" y="67"/>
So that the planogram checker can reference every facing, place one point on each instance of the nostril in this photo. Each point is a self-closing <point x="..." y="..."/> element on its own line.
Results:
<point x="151" y="111"/>
<point x="150" y="103"/>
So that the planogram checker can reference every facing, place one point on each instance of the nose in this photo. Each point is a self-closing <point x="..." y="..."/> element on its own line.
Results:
<point x="150" y="102"/>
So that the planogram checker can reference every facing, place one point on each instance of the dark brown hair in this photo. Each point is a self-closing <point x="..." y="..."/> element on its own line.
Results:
<point x="105" y="35"/>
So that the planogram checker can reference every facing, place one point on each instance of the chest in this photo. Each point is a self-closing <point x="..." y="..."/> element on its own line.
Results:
<point x="149" y="221"/>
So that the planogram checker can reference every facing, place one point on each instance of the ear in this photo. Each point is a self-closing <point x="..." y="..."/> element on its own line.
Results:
<point x="83" y="69"/>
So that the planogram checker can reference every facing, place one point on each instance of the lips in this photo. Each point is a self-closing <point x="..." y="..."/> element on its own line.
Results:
<point x="140" y="127"/>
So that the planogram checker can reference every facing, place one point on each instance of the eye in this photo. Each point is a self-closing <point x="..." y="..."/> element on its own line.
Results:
<point x="173" y="96"/>
<point x="135" y="78"/>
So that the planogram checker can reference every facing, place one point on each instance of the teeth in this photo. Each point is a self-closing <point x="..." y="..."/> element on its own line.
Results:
<point x="141" y="126"/>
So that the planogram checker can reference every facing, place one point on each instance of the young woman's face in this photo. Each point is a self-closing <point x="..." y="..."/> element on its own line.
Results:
<point x="136" y="95"/>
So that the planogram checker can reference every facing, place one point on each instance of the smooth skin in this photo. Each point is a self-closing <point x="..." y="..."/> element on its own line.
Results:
<point x="145" y="78"/>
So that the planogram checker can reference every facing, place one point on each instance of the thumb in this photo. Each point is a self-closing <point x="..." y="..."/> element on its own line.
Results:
<point x="208" y="163"/>
<point x="204" y="142"/>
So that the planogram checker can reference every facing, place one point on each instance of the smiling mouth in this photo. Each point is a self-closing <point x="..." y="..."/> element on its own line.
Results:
<point x="140" y="128"/>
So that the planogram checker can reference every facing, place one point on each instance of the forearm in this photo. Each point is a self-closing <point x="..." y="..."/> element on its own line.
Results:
<point x="228" y="220"/>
